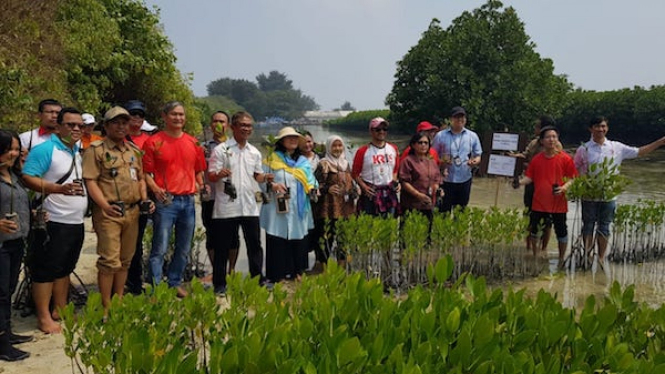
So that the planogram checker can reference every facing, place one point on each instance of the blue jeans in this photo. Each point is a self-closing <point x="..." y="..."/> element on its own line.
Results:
<point x="598" y="215"/>
<point x="181" y="215"/>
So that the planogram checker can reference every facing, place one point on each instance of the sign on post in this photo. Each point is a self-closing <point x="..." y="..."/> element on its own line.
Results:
<point x="501" y="165"/>
<point x="502" y="141"/>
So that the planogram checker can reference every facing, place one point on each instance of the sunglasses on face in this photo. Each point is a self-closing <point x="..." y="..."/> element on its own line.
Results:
<point x="380" y="129"/>
<point x="423" y="142"/>
<point x="72" y="125"/>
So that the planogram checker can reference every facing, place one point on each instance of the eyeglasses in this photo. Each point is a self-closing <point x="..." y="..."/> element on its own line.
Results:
<point x="380" y="129"/>
<point x="423" y="142"/>
<point x="71" y="125"/>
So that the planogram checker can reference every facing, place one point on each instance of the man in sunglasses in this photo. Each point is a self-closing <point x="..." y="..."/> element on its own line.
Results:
<point x="53" y="168"/>
<point x="375" y="168"/>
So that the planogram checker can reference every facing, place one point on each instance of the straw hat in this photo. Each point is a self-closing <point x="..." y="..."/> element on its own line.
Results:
<point x="289" y="131"/>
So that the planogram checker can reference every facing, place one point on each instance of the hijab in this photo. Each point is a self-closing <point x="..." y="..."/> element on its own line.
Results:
<point x="337" y="164"/>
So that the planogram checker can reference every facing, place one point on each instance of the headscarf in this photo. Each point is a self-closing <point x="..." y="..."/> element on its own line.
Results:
<point x="337" y="164"/>
<point x="301" y="171"/>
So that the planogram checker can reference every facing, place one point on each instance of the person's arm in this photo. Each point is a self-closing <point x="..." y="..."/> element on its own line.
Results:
<point x="39" y="184"/>
<point x="646" y="149"/>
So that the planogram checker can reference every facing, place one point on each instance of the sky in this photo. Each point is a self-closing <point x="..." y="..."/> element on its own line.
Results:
<point x="347" y="50"/>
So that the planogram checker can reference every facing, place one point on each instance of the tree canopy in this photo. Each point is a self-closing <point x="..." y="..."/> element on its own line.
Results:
<point x="274" y="95"/>
<point x="483" y="61"/>
<point x="91" y="54"/>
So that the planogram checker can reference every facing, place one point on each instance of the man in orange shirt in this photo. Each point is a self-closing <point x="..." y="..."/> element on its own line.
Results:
<point x="87" y="135"/>
<point x="175" y="164"/>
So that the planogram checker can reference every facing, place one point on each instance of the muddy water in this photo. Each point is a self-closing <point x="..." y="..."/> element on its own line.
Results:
<point x="572" y="288"/>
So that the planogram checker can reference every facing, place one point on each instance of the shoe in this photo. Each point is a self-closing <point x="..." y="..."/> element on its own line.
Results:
<point x="220" y="290"/>
<point x="19" y="339"/>
<point x="12" y="354"/>
<point x="181" y="292"/>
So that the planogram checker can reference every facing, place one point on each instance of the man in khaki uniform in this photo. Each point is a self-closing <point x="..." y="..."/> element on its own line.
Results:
<point x="113" y="173"/>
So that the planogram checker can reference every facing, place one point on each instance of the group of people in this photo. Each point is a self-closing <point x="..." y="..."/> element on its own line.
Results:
<point x="550" y="173"/>
<point x="294" y="194"/>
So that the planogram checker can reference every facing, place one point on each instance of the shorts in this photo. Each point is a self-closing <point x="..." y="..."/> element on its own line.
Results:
<point x="55" y="251"/>
<point x="540" y="220"/>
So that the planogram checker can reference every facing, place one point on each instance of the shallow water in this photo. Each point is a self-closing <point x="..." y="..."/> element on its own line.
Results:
<point x="571" y="288"/>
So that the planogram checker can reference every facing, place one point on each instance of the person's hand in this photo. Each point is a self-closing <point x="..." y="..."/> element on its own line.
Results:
<point x="424" y="199"/>
<point x="8" y="226"/>
<point x="223" y="173"/>
<point x="160" y="194"/>
<point x="269" y="177"/>
<point x="369" y="191"/>
<point x="516" y="154"/>
<point x="112" y="210"/>
<point x="334" y="189"/>
<point x="152" y="207"/>
<point x="71" y="189"/>
<point x="278" y="188"/>
<point x="473" y="161"/>
<point x="516" y="182"/>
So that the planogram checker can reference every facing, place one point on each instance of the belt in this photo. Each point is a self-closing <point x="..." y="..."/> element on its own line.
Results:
<point x="128" y="206"/>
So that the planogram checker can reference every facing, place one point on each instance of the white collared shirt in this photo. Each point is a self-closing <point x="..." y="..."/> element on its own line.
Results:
<point x="591" y="153"/>
<point x="243" y="162"/>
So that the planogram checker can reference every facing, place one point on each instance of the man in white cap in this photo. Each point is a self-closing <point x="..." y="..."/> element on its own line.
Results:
<point x="87" y="136"/>
<point x="375" y="168"/>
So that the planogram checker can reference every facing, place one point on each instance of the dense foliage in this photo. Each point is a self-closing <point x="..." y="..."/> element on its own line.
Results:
<point x="483" y="61"/>
<point x="273" y="96"/>
<point x="91" y="54"/>
<point x="339" y="323"/>
<point x="359" y="120"/>
<point x="636" y="116"/>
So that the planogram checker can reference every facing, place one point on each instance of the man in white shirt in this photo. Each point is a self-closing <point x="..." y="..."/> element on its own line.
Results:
<point x="235" y="168"/>
<point x="48" y="122"/>
<point x="598" y="215"/>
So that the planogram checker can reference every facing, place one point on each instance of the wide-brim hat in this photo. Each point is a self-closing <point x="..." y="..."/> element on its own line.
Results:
<point x="289" y="131"/>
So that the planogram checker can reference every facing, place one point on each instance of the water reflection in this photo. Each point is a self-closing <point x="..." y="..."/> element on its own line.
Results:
<point x="572" y="289"/>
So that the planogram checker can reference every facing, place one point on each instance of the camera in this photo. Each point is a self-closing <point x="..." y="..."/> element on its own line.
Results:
<point x="204" y="194"/>
<point x="313" y="195"/>
<point x="14" y="218"/>
<point x="144" y="207"/>
<point x="121" y="205"/>
<point x="39" y="222"/>
<point x="80" y="183"/>
<point x="230" y="190"/>
<point x="554" y="188"/>
<point x="282" y="204"/>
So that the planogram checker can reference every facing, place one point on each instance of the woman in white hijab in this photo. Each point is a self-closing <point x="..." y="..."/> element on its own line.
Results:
<point x="338" y="197"/>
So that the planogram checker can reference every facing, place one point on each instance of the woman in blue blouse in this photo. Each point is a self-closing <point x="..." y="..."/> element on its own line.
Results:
<point x="287" y="217"/>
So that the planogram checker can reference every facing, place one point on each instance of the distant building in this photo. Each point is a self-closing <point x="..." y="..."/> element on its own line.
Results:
<point x="319" y="116"/>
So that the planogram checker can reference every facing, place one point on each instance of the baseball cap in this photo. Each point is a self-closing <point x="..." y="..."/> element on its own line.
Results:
<point x="457" y="111"/>
<point x="134" y="105"/>
<point x="425" y="126"/>
<point x="88" y="119"/>
<point x="376" y="122"/>
<point x="146" y="126"/>
<point x="115" y="112"/>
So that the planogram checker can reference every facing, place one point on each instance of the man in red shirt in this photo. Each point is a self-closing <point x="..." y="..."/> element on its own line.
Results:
<point x="551" y="172"/>
<point x="175" y="164"/>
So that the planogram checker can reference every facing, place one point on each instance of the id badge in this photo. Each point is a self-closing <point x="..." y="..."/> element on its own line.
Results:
<point x="457" y="161"/>
<point x="133" y="174"/>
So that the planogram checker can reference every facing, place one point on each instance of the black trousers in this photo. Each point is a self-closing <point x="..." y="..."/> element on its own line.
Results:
<point x="135" y="272"/>
<point x="456" y="194"/>
<point x="11" y="256"/>
<point x="284" y="257"/>
<point x="226" y="238"/>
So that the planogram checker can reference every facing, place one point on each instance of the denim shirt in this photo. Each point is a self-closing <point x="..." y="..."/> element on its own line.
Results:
<point x="451" y="147"/>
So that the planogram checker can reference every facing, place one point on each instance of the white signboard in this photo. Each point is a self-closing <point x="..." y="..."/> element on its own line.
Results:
<point x="502" y="141"/>
<point x="501" y="165"/>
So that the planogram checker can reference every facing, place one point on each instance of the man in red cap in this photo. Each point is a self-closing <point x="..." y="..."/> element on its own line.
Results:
<point x="428" y="129"/>
<point x="375" y="168"/>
